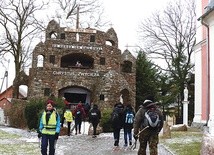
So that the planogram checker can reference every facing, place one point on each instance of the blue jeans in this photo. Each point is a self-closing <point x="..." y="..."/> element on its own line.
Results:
<point x="44" y="144"/>
<point x="127" y="134"/>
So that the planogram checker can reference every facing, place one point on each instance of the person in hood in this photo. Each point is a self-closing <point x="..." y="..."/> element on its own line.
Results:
<point x="79" y="115"/>
<point x="94" y="118"/>
<point x="49" y="128"/>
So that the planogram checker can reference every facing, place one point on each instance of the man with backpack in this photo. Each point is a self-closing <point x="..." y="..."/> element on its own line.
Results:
<point x="147" y="125"/>
<point x="117" y="119"/>
<point x="94" y="118"/>
<point x="128" y="124"/>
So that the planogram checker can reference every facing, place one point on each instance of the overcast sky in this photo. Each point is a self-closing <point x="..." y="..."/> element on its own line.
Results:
<point x="125" y="16"/>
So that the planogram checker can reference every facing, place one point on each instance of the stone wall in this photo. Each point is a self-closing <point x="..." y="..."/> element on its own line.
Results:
<point x="101" y="73"/>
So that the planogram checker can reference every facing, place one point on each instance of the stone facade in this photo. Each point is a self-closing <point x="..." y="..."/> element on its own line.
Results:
<point x="105" y="74"/>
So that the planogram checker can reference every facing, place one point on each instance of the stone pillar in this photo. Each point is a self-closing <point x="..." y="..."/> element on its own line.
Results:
<point x="185" y="112"/>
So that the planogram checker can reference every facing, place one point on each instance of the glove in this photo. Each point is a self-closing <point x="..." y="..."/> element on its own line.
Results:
<point x="56" y="136"/>
<point x="39" y="134"/>
<point x="135" y="137"/>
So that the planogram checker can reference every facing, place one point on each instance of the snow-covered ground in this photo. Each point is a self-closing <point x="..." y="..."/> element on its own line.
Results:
<point x="27" y="143"/>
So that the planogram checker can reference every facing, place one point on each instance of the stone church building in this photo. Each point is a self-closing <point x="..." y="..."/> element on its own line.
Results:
<point x="82" y="65"/>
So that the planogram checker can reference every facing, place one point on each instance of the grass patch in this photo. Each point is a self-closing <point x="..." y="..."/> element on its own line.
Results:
<point x="5" y="135"/>
<point x="11" y="144"/>
<point x="184" y="142"/>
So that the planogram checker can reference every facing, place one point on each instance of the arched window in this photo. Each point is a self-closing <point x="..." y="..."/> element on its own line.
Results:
<point x="40" y="61"/>
<point x="53" y="35"/>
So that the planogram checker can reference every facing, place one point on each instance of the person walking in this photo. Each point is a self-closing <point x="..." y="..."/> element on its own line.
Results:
<point x="79" y="115"/>
<point x="94" y="118"/>
<point x="128" y="124"/>
<point x="117" y="120"/>
<point x="66" y="104"/>
<point x="68" y="118"/>
<point x="49" y="128"/>
<point x="149" y="120"/>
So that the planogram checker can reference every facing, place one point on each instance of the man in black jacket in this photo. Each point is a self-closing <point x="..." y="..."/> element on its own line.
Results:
<point x="94" y="118"/>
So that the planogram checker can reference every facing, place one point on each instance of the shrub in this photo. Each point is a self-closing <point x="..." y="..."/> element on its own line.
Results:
<point x="16" y="114"/>
<point x="35" y="108"/>
<point x="105" y="120"/>
<point x="32" y="112"/>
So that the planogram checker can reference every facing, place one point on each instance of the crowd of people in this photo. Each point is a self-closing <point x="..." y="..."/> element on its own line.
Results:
<point x="144" y="125"/>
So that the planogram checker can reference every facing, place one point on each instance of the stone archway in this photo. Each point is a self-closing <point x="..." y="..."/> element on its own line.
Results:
<point x="74" y="94"/>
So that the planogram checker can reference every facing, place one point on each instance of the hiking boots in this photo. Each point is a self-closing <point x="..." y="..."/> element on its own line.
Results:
<point x="116" y="143"/>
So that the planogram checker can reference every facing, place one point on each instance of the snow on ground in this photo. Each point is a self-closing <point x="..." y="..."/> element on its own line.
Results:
<point x="27" y="143"/>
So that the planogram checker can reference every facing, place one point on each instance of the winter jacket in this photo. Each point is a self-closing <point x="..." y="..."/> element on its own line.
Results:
<point x="79" y="109"/>
<point x="94" y="115"/>
<point x="128" y="125"/>
<point x="139" y="117"/>
<point x="68" y="115"/>
<point x="118" y="122"/>
<point x="49" y="125"/>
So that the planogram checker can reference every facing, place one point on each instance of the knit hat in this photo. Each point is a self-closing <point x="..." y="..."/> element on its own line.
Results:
<point x="50" y="102"/>
<point x="148" y="103"/>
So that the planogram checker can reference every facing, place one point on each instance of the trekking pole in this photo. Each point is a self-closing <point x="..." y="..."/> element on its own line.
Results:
<point x="135" y="143"/>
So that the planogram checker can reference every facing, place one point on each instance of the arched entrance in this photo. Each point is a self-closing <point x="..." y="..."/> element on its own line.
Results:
<point x="76" y="94"/>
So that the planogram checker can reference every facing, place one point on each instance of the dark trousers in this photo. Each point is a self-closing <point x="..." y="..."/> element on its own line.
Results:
<point x="69" y="128"/>
<point x="94" y="128"/>
<point x="78" y="125"/>
<point x="116" y="133"/>
<point x="127" y="135"/>
<point x="44" y="144"/>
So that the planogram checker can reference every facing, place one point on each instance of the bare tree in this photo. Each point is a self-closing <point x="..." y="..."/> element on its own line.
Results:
<point x="19" y="27"/>
<point x="170" y="35"/>
<point x="90" y="11"/>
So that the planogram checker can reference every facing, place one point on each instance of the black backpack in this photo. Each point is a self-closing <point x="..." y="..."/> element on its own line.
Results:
<point x="93" y="114"/>
<point x="116" y="115"/>
<point x="151" y="118"/>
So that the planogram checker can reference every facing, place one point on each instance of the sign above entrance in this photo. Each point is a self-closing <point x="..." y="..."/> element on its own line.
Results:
<point x="92" y="74"/>
<point x="97" y="48"/>
<point x="80" y="30"/>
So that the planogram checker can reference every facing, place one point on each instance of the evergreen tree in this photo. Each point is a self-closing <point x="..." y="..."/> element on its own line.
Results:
<point x="146" y="80"/>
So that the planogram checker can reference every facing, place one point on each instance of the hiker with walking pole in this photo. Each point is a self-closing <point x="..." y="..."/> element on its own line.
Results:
<point x="49" y="128"/>
<point x="147" y="125"/>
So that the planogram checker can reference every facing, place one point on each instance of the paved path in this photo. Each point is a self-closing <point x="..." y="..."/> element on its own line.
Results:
<point x="102" y="145"/>
<point x="83" y="144"/>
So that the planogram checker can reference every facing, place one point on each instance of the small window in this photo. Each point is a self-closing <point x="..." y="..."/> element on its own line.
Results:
<point x="127" y="67"/>
<point x="47" y="91"/>
<point x="53" y="35"/>
<point x="102" y="97"/>
<point x="102" y="61"/>
<point x="52" y="59"/>
<point x="92" y="38"/>
<point x="62" y="36"/>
